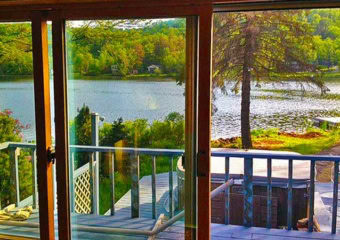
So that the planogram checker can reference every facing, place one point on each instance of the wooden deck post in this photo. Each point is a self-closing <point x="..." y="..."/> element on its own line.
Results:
<point x="134" y="158"/>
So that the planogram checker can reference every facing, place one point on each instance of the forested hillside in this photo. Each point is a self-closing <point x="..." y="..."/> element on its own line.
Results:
<point x="326" y="24"/>
<point x="93" y="47"/>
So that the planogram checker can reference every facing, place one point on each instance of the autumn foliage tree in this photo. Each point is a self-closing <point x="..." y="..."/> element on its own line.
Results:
<point x="262" y="46"/>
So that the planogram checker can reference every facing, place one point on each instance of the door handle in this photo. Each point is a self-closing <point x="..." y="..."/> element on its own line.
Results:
<point x="51" y="155"/>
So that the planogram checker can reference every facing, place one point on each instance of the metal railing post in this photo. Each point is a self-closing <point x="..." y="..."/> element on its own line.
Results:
<point x="290" y="195"/>
<point x="269" y="193"/>
<point x="54" y="187"/>
<point x="112" y="181"/>
<point x="171" y="187"/>
<point x="311" y="197"/>
<point x="95" y="142"/>
<point x="227" y="192"/>
<point x="134" y="185"/>
<point x="335" y="197"/>
<point x="72" y="194"/>
<point x="14" y="180"/>
<point x="92" y="185"/>
<point x="248" y="193"/>
<point x="34" y="178"/>
<point x="153" y="187"/>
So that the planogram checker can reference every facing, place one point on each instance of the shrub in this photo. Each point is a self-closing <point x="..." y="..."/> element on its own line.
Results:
<point x="10" y="131"/>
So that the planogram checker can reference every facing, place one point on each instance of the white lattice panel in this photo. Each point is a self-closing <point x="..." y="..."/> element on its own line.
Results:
<point x="82" y="193"/>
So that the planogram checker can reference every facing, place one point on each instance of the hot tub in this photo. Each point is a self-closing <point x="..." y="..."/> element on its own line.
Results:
<point x="301" y="172"/>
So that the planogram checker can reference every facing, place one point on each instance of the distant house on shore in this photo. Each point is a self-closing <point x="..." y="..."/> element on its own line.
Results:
<point x="114" y="70"/>
<point x="153" y="68"/>
<point x="135" y="71"/>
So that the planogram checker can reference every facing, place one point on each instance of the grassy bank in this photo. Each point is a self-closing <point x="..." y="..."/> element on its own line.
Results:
<point x="16" y="78"/>
<point x="283" y="94"/>
<point x="311" y="142"/>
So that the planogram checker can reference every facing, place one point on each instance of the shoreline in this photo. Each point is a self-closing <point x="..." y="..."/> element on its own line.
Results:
<point x="102" y="77"/>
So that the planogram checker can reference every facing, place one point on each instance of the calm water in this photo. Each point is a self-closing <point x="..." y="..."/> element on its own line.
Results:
<point x="154" y="100"/>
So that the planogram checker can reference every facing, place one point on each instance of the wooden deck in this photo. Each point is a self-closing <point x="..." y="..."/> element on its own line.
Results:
<point x="323" y="207"/>
<point x="122" y="219"/>
<point x="123" y="206"/>
<point x="219" y="231"/>
<point x="231" y="232"/>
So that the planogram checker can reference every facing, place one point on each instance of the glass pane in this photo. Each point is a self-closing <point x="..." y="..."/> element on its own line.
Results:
<point x="275" y="92"/>
<point x="126" y="118"/>
<point x="18" y="181"/>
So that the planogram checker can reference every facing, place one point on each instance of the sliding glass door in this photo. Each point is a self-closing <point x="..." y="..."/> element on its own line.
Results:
<point x="128" y="137"/>
<point x="26" y="180"/>
<point x="126" y="123"/>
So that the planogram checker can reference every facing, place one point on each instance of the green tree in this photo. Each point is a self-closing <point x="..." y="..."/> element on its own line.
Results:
<point x="16" y="49"/>
<point x="113" y="133"/>
<point x="80" y="134"/>
<point x="262" y="46"/>
<point x="82" y="126"/>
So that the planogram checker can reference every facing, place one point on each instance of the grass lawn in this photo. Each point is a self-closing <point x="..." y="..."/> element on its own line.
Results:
<point x="312" y="142"/>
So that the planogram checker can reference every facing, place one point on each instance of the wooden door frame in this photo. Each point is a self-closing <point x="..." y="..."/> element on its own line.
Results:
<point x="198" y="13"/>
<point x="253" y="5"/>
<point x="199" y="44"/>
<point x="61" y="125"/>
<point x="38" y="20"/>
<point x="43" y="124"/>
<point x="204" y="124"/>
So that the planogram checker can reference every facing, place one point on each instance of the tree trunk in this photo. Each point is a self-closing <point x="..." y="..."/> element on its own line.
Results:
<point x="250" y="45"/>
<point x="245" y="110"/>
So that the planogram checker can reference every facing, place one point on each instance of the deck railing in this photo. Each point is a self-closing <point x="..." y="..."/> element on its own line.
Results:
<point x="134" y="154"/>
<point x="248" y="184"/>
<point x="93" y="168"/>
<point x="84" y="192"/>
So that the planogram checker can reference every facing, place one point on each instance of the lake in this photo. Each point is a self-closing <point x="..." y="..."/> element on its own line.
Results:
<point x="154" y="100"/>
